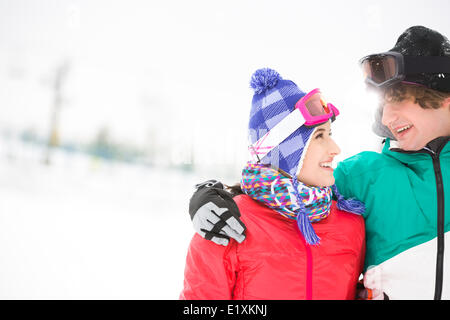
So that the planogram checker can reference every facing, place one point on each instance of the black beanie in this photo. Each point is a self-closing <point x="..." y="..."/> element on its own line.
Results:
<point x="421" y="41"/>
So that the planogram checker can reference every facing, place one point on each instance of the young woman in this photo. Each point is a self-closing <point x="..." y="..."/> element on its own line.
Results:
<point x="299" y="243"/>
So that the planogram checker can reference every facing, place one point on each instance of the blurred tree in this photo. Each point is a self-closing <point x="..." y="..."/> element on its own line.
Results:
<point x="105" y="147"/>
<point x="102" y="145"/>
<point x="59" y="81"/>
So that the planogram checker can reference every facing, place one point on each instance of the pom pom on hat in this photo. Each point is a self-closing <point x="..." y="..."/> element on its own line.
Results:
<point x="264" y="79"/>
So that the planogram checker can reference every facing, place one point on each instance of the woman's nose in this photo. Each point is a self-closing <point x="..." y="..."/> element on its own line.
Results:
<point x="334" y="148"/>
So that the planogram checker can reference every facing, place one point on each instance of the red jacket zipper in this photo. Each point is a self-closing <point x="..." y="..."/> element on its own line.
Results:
<point x="309" y="265"/>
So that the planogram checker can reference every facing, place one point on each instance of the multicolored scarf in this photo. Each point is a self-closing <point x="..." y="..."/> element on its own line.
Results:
<point x="264" y="184"/>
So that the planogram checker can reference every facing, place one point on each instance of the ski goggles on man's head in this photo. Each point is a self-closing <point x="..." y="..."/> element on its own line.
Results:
<point x="384" y="69"/>
<point x="311" y="110"/>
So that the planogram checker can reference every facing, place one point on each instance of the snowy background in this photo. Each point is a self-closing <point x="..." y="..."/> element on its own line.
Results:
<point x="110" y="112"/>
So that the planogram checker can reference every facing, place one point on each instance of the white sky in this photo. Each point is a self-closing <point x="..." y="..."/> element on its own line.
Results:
<point x="181" y="68"/>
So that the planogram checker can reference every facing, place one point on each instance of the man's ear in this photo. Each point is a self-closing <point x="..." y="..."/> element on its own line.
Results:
<point x="446" y="103"/>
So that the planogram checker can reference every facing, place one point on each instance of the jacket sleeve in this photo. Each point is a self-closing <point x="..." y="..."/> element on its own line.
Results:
<point x="345" y="178"/>
<point x="342" y="183"/>
<point x="210" y="271"/>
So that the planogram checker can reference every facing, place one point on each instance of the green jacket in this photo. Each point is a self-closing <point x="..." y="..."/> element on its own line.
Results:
<point x="407" y="198"/>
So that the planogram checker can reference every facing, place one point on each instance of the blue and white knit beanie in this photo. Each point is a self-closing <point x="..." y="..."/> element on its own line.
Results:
<point x="274" y="99"/>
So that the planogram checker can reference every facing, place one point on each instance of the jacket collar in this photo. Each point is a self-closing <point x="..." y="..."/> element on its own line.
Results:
<point x="438" y="144"/>
<point x="435" y="146"/>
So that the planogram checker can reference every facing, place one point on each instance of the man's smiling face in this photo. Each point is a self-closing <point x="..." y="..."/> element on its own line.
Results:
<point x="413" y="126"/>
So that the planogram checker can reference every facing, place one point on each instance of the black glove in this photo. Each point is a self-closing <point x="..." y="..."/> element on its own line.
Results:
<point x="214" y="213"/>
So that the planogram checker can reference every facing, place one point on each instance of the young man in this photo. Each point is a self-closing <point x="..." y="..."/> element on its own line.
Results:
<point x="406" y="187"/>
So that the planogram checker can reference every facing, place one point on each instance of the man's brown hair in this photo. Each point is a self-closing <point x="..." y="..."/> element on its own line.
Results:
<point x="425" y="97"/>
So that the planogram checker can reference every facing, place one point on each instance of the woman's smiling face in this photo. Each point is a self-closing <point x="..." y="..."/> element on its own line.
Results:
<point x="317" y="169"/>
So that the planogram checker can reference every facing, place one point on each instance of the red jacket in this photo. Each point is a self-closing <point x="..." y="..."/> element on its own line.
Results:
<point x="274" y="262"/>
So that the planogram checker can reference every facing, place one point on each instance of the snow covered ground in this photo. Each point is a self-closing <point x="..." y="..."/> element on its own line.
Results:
<point x="85" y="229"/>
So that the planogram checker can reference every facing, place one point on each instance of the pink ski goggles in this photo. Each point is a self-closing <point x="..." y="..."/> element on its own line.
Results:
<point x="315" y="110"/>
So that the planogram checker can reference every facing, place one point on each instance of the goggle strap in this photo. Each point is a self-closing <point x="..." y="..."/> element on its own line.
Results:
<point x="276" y="135"/>
<point x="333" y="117"/>
<point x="420" y="64"/>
